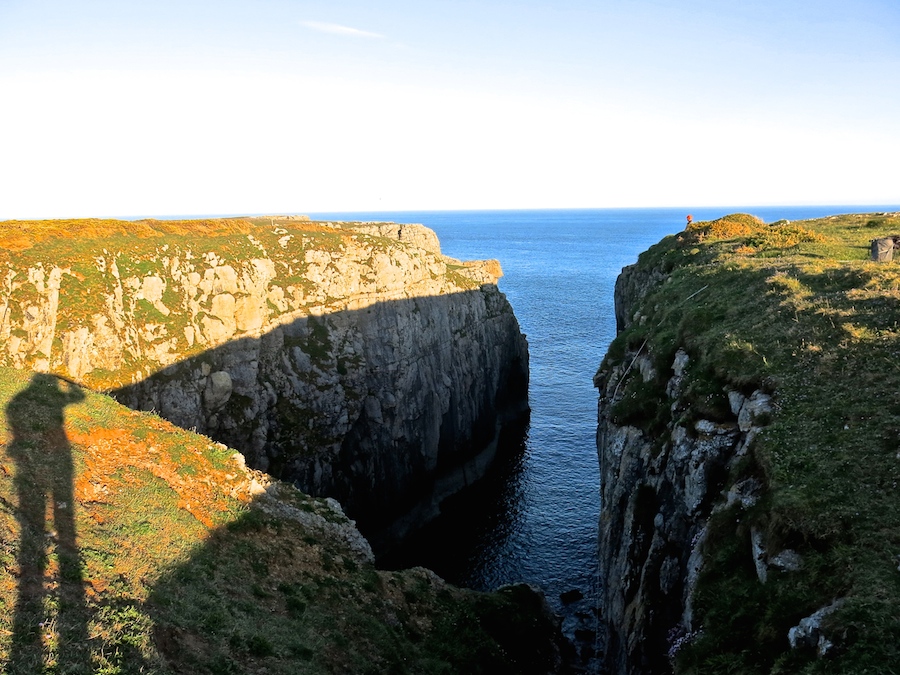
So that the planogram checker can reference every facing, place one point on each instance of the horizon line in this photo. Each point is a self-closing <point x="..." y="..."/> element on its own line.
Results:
<point x="197" y="216"/>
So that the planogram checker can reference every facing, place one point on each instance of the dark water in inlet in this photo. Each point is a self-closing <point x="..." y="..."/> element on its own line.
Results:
<point x="535" y="519"/>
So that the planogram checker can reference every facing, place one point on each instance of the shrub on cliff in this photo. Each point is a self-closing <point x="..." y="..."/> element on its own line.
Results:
<point x="727" y="227"/>
<point x="750" y="234"/>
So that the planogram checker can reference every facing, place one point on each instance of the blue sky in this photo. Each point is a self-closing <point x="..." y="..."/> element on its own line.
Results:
<point x="120" y="107"/>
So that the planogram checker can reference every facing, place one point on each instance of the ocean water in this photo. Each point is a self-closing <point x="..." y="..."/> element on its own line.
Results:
<point x="535" y="518"/>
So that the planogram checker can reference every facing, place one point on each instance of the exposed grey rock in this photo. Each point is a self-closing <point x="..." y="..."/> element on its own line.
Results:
<point x="746" y="493"/>
<point x="218" y="390"/>
<point x="882" y="250"/>
<point x="256" y="488"/>
<point x="787" y="560"/>
<point x="693" y="459"/>
<point x="736" y="401"/>
<point x="645" y="368"/>
<point x="679" y="366"/>
<point x="755" y="411"/>
<point x="758" y="553"/>
<point x="338" y="526"/>
<point x="694" y="567"/>
<point x="669" y="574"/>
<point x="417" y="235"/>
<point x="631" y="286"/>
<point x="176" y="404"/>
<point x="809" y="632"/>
<point x="334" y="505"/>
<point x="657" y="494"/>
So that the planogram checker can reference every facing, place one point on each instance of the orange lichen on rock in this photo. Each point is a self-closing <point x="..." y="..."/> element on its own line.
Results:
<point x="728" y="227"/>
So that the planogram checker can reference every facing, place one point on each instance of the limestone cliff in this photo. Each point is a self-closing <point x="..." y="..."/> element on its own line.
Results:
<point x="669" y="436"/>
<point x="748" y="505"/>
<point x="354" y="360"/>
<point x="659" y="488"/>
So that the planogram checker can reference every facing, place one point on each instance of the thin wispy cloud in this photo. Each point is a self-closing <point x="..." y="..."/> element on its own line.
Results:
<point x="338" y="29"/>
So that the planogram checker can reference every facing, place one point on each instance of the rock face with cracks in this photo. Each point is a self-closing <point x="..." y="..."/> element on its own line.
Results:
<point x="355" y="361"/>
<point x="659" y="487"/>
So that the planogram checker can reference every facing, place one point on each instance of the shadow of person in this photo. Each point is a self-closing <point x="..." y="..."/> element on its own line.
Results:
<point x="50" y="621"/>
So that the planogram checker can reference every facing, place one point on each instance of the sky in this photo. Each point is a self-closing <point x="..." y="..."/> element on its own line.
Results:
<point x="118" y="108"/>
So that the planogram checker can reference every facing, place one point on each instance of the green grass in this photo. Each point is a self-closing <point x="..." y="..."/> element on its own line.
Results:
<point x="174" y="569"/>
<point x="799" y="311"/>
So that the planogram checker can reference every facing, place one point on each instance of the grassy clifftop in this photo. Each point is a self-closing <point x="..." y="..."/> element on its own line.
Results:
<point x="129" y="545"/>
<point x="797" y="310"/>
<point x="107" y="302"/>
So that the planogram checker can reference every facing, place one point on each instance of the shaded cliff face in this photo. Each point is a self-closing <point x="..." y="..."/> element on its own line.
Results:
<point x="747" y="492"/>
<point x="389" y="408"/>
<point x="356" y="361"/>
<point x="664" y="463"/>
<point x="660" y="483"/>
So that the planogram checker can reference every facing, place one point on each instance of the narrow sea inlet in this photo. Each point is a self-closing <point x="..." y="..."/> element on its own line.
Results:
<point x="535" y="518"/>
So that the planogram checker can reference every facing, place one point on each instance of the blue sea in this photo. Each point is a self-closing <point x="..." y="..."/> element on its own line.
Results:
<point x="536" y="518"/>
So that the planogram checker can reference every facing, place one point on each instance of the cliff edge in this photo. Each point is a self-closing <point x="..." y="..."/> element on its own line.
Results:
<point x="748" y="436"/>
<point x="352" y="359"/>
